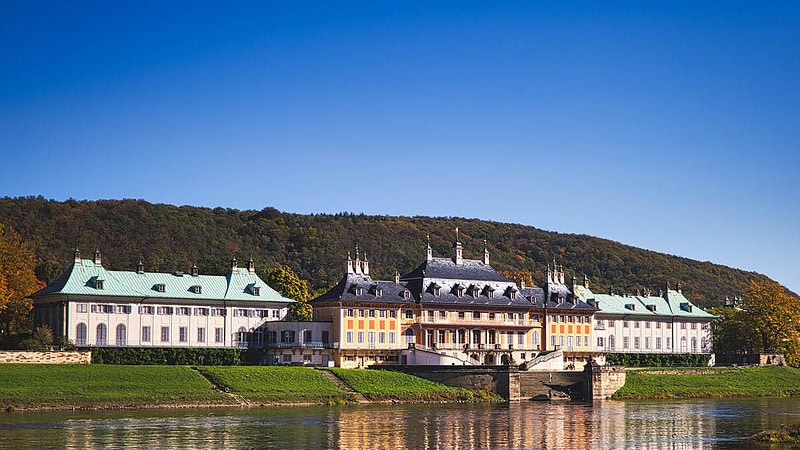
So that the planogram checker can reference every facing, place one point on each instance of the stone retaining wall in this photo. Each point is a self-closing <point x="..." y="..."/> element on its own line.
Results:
<point x="21" y="357"/>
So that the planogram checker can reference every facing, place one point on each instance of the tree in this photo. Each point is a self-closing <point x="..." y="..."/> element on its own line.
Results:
<point x="733" y="332"/>
<point x="17" y="282"/>
<point x="775" y="319"/>
<point x="283" y="279"/>
<point x="41" y="340"/>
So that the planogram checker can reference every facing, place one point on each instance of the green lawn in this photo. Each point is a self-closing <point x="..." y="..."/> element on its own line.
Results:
<point x="260" y="384"/>
<point x="724" y="382"/>
<point x="102" y="386"/>
<point x="390" y="385"/>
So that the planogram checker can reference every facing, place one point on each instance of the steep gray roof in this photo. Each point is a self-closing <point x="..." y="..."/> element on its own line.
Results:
<point x="347" y="291"/>
<point x="471" y="269"/>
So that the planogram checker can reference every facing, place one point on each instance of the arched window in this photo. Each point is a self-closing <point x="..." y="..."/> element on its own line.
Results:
<point x="241" y="337"/>
<point x="102" y="334"/>
<point x="694" y="345"/>
<point x="122" y="335"/>
<point x="536" y="339"/>
<point x="287" y="336"/>
<point x="409" y="336"/>
<point x="80" y="334"/>
<point x="683" y="345"/>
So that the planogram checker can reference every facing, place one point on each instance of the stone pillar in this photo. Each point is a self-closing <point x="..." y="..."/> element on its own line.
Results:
<point x="603" y="381"/>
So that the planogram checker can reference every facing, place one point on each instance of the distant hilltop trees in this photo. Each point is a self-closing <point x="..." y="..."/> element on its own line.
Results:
<point x="168" y="238"/>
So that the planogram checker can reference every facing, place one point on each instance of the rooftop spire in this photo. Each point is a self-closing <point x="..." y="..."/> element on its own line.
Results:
<point x="77" y="254"/>
<point x="485" y="253"/>
<point x="458" y="251"/>
<point x="428" y="249"/>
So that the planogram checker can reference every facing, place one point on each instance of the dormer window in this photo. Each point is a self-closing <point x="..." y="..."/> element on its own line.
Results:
<point x="513" y="295"/>
<point x="256" y="291"/>
<point x="378" y="292"/>
<point x="197" y="289"/>
<point x="651" y="307"/>
<point x="359" y="291"/>
<point x="436" y="291"/>
<point x="630" y="306"/>
<point x="98" y="284"/>
<point x="406" y="295"/>
<point x="460" y="292"/>
<point x="489" y="291"/>
<point x="476" y="291"/>
<point x="160" y="287"/>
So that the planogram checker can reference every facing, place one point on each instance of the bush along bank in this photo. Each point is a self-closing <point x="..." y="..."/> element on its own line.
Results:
<point x="176" y="356"/>
<point x="657" y="360"/>
<point x="711" y="382"/>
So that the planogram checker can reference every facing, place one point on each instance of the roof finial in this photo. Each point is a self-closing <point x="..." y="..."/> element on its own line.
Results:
<point x="456" y="233"/>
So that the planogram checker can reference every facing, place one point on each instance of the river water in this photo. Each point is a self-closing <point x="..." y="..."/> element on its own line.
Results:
<point x="691" y="424"/>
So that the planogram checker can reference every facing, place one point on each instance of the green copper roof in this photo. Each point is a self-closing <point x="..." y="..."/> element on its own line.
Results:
<point x="671" y="304"/>
<point x="81" y="279"/>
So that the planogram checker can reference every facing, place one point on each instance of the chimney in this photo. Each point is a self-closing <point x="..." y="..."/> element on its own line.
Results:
<point x="585" y="281"/>
<point x="77" y="254"/>
<point x="195" y="270"/>
<point x="679" y="288"/>
<point x="561" y="274"/>
<point x="234" y="264"/>
<point x="574" y="283"/>
<point x="365" y="265"/>
<point x="140" y="266"/>
<point x="396" y="277"/>
<point x="98" y="259"/>
<point x="251" y="266"/>
<point x="485" y="253"/>
<point x="522" y="284"/>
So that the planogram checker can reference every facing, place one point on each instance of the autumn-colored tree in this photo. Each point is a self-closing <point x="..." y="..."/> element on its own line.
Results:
<point x="733" y="332"/>
<point x="283" y="279"/>
<point x="519" y="275"/>
<point x="17" y="282"/>
<point x="774" y="318"/>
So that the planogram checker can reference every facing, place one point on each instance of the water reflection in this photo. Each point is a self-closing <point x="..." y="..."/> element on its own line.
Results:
<point x="609" y="425"/>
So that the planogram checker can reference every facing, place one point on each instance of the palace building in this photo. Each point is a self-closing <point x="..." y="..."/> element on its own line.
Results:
<point x="93" y="306"/>
<point x="666" y="323"/>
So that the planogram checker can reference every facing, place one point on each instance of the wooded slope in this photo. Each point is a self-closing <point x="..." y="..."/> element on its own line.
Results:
<point x="169" y="238"/>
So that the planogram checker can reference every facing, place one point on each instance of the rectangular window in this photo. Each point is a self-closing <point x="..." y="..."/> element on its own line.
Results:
<point x="586" y="341"/>
<point x="562" y="318"/>
<point x="647" y="324"/>
<point x="669" y="325"/>
<point x="636" y="342"/>
<point x="392" y="314"/>
<point x="272" y="337"/>
<point x="625" y="341"/>
<point x="326" y="338"/>
<point x="442" y="314"/>
<point x="669" y="342"/>
<point x="683" y="325"/>
<point x="569" y="319"/>
<point x="694" y="326"/>
<point x="382" y="314"/>
<point x="636" y="324"/>
<point x="381" y="337"/>
<point x="201" y="335"/>
<point x="600" y="342"/>
<point x="360" y="313"/>
<point x="521" y="338"/>
<point x="307" y="336"/>
<point x="350" y="313"/>
<point x="165" y="310"/>
<point x="658" y="325"/>
<point x="164" y="334"/>
<point x="491" y="316"/>
<point x="360" y="337"/>
<point x="263" y="313"/>
<point x="647" y="343"/>
<point x="569" y="341"/>
<point x="476" y="315"/>
<point x="625" y="324"/>
<point x="409" y="314"/>
<point x="184" y="311"/>
<point x="276" y="313"/>
<point x="145" y="334"/>
<point x="82" y="307"/>
<point x="561" y="341"/>
<point x="183" y="334"/>
<point x="552" y="340"/>
<point x="461" y="315"/>
<point x="658" y="343"/>
<point x="391" y="337"/>
<point x="218" y="336"/>
<point x="372" y="313"/>
<point x="349" y="337"/>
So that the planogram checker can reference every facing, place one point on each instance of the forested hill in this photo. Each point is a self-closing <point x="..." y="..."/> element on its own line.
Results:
<point x="171" y="238"/>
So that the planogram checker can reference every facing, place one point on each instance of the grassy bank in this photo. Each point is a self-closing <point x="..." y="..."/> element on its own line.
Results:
<point x="263" y="385"/>
<point x="786" y="434"/>
<point x="42" y="386"/>
<point x="97" y="386"/>
<point x="719" y="382"/>
<point x="387" y="385"/>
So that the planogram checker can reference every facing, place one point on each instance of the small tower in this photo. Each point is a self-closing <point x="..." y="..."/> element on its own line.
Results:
<point x="561" y="274"/>
<point x="458" y="251"/>
<point x="234" y="264"/>
<point x="357" y="264"/>
<point x="140" y="266"/>
<point x="195" y="270"/>
<point x="574" y="283"/>
<point x="428" y="250"/>
<point x="77" y="254"/>
<point x="98" y="258"/>
<point x="485" y="253"/>
<point x="550" y="273"/>
<point x="678" y="287"/>
<point x="251" y="266"/>
<point x="349" y="267"/>
<point x="396" y="277"/>
<point x="365" y="265"/>
<point x="585" y="281"/>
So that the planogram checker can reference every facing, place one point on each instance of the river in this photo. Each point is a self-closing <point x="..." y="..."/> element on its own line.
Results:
<point x="683" y="424"/>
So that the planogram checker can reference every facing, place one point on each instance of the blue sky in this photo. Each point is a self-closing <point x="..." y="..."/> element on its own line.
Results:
<point x="672" y="126"/>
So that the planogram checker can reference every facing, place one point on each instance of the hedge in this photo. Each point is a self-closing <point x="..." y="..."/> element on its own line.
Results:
<point x="657" y="359"/>
<point x="166" y="356"/>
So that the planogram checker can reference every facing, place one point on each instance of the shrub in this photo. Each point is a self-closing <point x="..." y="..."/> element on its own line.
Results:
<point x="657" y="360"/>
